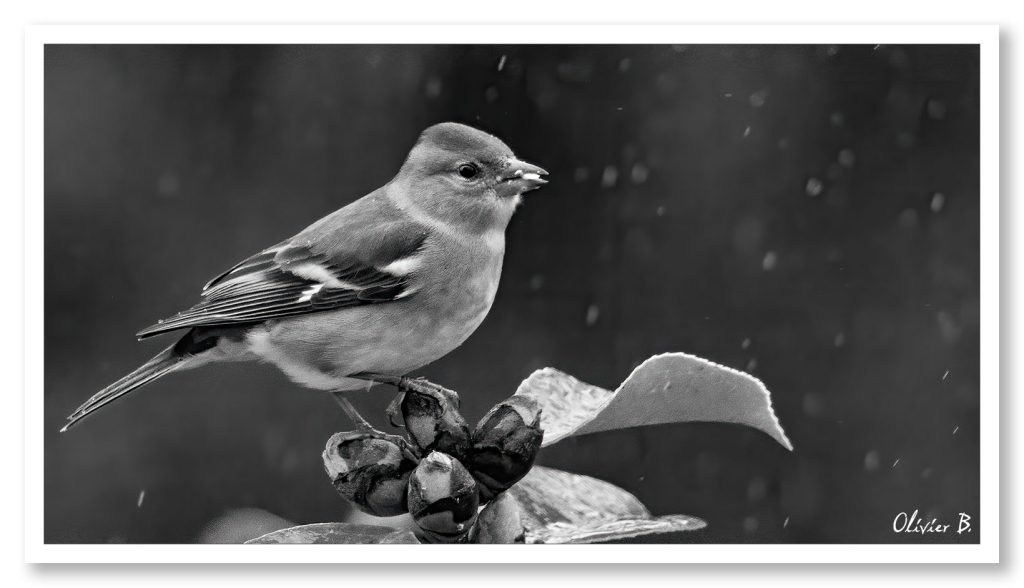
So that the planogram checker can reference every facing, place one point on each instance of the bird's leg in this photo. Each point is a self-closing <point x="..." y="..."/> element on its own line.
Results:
<point x="353" y="414"/>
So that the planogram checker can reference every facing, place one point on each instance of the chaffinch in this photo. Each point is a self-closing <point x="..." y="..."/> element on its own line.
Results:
<point x="386" y="284"/>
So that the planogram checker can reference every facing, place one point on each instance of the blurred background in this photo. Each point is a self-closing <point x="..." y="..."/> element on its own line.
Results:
<point x="808" y="214"/>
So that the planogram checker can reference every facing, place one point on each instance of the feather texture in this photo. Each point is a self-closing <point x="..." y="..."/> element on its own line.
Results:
<point x="296" y="277"/>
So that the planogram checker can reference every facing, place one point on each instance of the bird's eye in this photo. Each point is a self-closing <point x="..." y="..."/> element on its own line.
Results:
<point x="468" y="171"/>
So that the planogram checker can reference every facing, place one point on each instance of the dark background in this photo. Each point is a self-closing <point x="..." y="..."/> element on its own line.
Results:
<point x="808" y="214"/>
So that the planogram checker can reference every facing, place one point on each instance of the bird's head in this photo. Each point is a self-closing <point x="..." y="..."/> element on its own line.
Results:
<point x="464" y="176"/>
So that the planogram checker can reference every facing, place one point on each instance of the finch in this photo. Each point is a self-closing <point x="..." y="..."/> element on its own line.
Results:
<point x="386" y="284"/>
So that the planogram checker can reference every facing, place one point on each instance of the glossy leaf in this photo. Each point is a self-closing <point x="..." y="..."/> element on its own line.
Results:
<point x="559" y="507"/>
<point x="667" y="388"/>
<point x="336" y="533"/>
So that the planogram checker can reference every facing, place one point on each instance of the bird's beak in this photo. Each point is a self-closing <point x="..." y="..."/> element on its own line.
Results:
<point x="523" y="176"/>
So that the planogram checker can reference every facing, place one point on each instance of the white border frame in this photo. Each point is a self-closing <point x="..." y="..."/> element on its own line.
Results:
<point x="987" y="551"/>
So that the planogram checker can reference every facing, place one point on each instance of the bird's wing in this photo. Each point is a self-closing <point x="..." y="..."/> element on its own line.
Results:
<point x="307" y="274"/>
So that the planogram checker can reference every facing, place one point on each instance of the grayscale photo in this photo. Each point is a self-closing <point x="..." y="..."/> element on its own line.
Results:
<point x="512" y="293"/>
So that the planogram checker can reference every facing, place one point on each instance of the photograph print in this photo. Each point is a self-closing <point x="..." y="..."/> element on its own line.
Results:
<point x="540" y="294"/>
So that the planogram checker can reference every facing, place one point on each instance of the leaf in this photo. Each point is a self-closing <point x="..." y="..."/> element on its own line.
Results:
<point x="667" y="388"/>
<point x="559" y="507"/>
<point x="336" y="533"/>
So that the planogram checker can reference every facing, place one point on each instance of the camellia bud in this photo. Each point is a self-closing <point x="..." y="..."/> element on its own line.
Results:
<point x="433" y="422"/>
<point x="443" y="499"/>
<point x="371" y="471"/>
<point x="499" y="522"/>
<point x="505" y="443"/>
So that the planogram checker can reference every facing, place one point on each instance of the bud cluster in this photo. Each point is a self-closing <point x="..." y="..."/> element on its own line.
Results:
<point x="445" y="472"/>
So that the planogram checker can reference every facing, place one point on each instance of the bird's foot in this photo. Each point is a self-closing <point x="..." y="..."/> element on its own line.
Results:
<point x="425" y="386"/>
<point x="407" y="384"/>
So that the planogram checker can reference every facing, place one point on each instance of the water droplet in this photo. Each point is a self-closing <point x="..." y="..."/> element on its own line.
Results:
<point x="840" y="339"/>
<point x="814" y="187"/>
<point x="609" y="176"/>
<point x="945" y="375"/>
<point x="536" y="282"/>
<point x="871" y="461"/>
<point x="948" y="326"/>
<point x="926" y="473"/>
<point x="752" y="364"/>
<point x="785" y="523"/>
<point x="832" y="50"/>
<point x="847" y="158"/>
<point x="813" y="405"/>
<point x="784" y="143"/>
<point x="727" y="94"/>
<point x="936" y="109"/>
<point x="955" y="429"/>
<point x="624" y="64"/>
<point x="580" y="174"/>
<point x="593" y="312"/>
<point x="750" y="525"/>
<point x="745" y="344"/>
<point x="908" y="218"/>
<point x="491" y="94"/>
<point x="639" y="173"/>
<point x="434" y="87"/>
<point x="501" y="62"/>
<point x="746" y="132"/>
<point x="938" y="202"/>
<point x="757" y="98"/>
<point x="660" y="211"/>
<point x="836" y="119"/>
<point x="895" y="463"/>
<point x="771" y="259"/>
<point x="142" y="496"/>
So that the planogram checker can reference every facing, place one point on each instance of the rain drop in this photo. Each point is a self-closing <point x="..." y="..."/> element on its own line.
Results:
<point x="936" y="109"/>
<point x="501" y="62"/>
<point x="609" y="176"/>
<point x="639" y="173"/>
<point x="593" y="312"/>
<point x="938" y="202"/>
<point x="750" y="525"/>
<point x="757" y="98"/>
<point x="814" y="187"/>
<point x="434" y="86"/>
<point x="847" y="158"/>
<point x="771" y="259"/>
<point x="871" y="461"/>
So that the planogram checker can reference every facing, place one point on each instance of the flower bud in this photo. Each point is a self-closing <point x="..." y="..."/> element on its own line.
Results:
<point x="505" y="443"/>
<point x="433" y="421"/>
<point x="499" y="522"/>
<point x="443" y="499"/>
<point x="371" y="471"/>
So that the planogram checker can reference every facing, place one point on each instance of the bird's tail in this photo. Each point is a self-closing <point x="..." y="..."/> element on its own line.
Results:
<point x="164" y="362"/>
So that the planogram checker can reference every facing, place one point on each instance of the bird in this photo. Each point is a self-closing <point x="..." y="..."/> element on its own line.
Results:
<point x="384" y="285"/>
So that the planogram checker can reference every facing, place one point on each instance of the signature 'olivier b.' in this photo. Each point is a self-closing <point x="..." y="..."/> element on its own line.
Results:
<point x="387" y="284"/>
